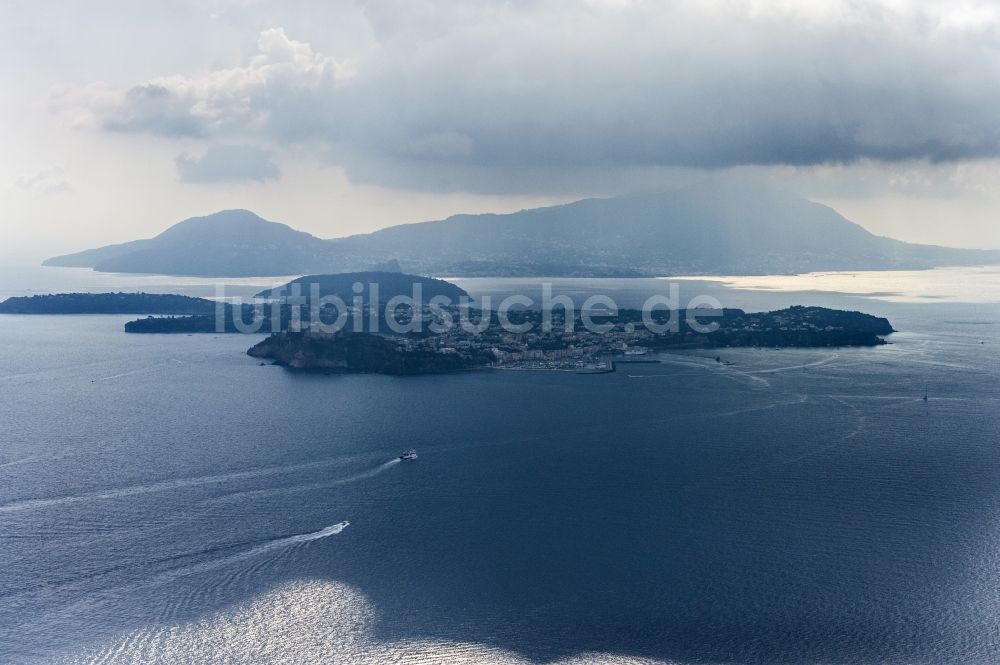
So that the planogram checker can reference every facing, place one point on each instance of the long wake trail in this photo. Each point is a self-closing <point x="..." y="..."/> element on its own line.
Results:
<point x="305" y="487"/>
<point x="269" y="546"/>
<point x="149" y="488"/>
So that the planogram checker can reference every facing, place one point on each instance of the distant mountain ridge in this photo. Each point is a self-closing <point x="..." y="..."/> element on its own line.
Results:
<point x="230" y="243"/>
<point x="700" y="230"/>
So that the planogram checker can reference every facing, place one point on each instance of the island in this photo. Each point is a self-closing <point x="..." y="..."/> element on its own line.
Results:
<point x="368" y="290"/>
<point x="567" y="347"/>
<point x="223" y="319"/>
<point x="378" y="285"/>
<point x="367" y="333"/>
<point x="107" y="303"/>
<point x="362" y="353"/>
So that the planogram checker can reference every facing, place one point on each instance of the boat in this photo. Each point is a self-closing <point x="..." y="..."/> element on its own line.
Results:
<point x="596" y="368"/>
<point x="409" y="454"/>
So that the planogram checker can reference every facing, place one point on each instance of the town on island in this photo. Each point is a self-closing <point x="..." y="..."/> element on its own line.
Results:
<point x="406" y="324"/>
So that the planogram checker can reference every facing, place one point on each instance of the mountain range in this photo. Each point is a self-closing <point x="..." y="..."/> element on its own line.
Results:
<point x="700" y="230"/>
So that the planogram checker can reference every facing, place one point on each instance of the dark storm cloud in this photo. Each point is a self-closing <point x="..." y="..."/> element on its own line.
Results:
<point x="452" y="98"/>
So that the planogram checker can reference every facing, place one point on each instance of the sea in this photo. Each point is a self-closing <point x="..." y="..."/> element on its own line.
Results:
<point x="168" y="499"/>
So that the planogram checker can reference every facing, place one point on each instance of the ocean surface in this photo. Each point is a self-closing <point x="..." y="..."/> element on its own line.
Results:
<point x="166" y="499"/>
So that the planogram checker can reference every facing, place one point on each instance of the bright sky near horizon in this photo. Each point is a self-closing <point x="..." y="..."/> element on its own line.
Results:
<point x="120" y="118"/>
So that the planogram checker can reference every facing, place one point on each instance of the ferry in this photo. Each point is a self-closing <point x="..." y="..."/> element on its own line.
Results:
<point x="409" y="454"/>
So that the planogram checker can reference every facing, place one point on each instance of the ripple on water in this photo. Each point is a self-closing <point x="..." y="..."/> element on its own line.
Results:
<point x="301" y="622"/>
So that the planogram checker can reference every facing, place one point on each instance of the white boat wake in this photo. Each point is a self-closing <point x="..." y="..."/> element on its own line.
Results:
<point x="162" y="486"/>
<point x="263" y="548"/>
<point x="305" y="487"/>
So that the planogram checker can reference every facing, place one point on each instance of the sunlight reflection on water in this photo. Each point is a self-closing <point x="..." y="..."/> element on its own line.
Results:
<point x="910" y="286"/>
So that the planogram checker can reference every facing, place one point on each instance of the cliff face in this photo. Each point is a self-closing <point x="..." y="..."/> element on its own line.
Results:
<point x="356" y="352"/>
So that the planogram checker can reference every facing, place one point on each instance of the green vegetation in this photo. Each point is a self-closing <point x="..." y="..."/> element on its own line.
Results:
<point x="107" y="303"/>
<point x="390" y="284"/>
<point x="360" y="353"/>
<point x="626" y="333"/>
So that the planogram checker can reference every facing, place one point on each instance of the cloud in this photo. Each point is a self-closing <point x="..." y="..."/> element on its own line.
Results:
<point x="228" y="163"/>
<point x="487" y="95"/>
<point x="157" y="109"/>
<point x="48" y="182"/>
<point x="265" y="92"/>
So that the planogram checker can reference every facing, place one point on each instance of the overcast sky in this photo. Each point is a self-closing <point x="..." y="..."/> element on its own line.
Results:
<point x="122" y="117"/>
